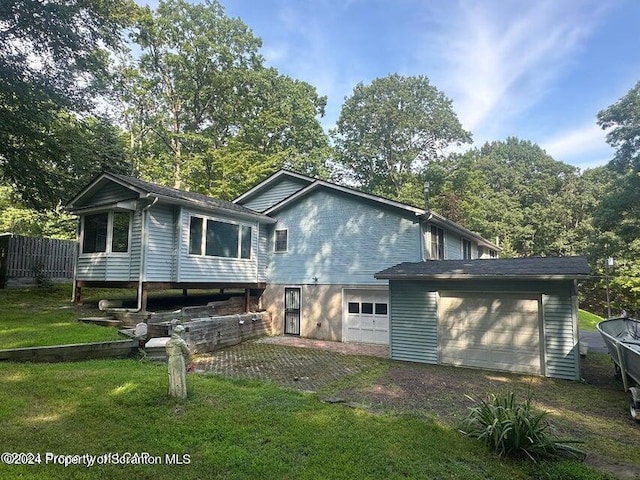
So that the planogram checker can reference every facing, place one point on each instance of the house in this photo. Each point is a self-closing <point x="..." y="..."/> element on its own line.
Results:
<point x="329" y="241"/>
<point x="323" y="257"/>
<point x="136" y="234"/>
<point x="518" y="315"/>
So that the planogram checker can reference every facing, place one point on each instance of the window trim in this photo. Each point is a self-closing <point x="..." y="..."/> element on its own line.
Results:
<point x="203" y="238"/>
<point x="275" y="240"/>
<point x="109" y="241"/>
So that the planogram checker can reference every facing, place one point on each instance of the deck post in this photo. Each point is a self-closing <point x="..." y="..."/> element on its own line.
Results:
<point x="144" y="299"/>
<point x="247" y="297"/>
<point x="185" y="292"/>
<point x="77" y="295"/>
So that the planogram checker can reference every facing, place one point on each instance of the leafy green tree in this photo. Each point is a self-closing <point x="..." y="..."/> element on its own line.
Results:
<point x="618" y="216"/>
<point x="389" y="129"/>
<point x="202" y="111"/>
<point x="51" y="53"/>
<point x="513" y="190"/>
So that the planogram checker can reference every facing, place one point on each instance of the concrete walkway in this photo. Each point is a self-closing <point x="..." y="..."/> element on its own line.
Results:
<point x="595" y="342"/>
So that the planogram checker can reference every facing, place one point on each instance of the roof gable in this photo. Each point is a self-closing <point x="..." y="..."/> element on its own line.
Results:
<point x="522" y="268"/>
<point x="141" y="189"/>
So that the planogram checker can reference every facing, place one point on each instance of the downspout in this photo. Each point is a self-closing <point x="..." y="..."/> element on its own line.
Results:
<point x="143" y="244"/>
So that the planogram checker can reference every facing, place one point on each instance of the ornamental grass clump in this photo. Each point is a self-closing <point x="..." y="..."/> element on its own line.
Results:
<point x="513" y="429"/>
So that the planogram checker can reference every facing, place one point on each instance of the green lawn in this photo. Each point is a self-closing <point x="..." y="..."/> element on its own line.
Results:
<point x="229" y="429"/>
<point x="45" y="316"/>
<point x="587" y="320"/>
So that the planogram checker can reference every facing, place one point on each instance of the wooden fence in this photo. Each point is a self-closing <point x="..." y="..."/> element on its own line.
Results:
<point x="27" y="260"/>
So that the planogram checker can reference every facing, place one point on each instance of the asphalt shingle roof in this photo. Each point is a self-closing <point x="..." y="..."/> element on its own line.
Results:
<point x="532" y="267"/>
<point x="191" y="197"/>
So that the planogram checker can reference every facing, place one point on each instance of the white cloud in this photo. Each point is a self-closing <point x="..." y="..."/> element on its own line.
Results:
<point x="498" y="58"/>
<point x="584" y="146"/>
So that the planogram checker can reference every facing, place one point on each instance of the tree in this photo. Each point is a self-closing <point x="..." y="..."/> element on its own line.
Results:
<point x="513" y="190"/>
<point x="618" y="215"/>
<point x="389" y="129"/>
<point x="50" y="55"/>
<point x="204" y="113"/>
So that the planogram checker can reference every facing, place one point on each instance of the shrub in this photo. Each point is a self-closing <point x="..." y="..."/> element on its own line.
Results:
<point x="513" y="429"/>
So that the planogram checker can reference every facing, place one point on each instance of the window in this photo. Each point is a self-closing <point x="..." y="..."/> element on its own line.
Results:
<point x="354" y="307"/>
<point x="367" y="308"/>
<point x="120" y="237"/>
<point x="222" y="239"/>
<point x="466" y="249"/>
<point x="195" y="236"/>
<point x="219" y="239"/>
<point x="245" y="242"/>
<point x="106" y="232"/>
<point x="94" y="239"/>
<point x="381" y="308"/>
<point x="493" y="254"/>
<point x="282" y="241"/>
<point x="437" y="243"/>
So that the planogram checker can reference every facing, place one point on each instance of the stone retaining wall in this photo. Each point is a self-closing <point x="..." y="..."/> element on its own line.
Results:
<point x="212" y="333"/>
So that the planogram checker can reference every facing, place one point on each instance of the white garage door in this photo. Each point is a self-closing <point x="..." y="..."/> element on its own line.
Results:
<point x="489" y="331"/>
<point x="366" y="316"/>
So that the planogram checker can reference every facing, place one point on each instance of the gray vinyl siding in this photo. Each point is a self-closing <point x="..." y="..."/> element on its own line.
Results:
<point x="92" y="267"/>
<point x="338" y="239"/>
<point x="275" y="194"/>
<point x="135" y="246"/>
<point x="200" y="268"/>
<point x="161" y="242"/>
<point x="413" y="323"/>
<point x="562" y="353"/>
<point x="109" y="193"/>
<point x="263" y="245"/>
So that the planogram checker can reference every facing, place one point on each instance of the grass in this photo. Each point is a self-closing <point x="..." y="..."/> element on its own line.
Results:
<point x="45" y="316"/>
<point x="587" y="320"/>
<point x="230" y="429"/>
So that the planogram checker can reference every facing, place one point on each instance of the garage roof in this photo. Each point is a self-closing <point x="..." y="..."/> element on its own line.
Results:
<point x="552" y="268"/>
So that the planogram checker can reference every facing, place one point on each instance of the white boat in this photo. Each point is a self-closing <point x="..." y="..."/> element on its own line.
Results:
<point x="622" y="337"/>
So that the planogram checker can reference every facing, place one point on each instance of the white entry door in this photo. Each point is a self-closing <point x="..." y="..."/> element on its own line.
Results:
<point x="366" y="316"/>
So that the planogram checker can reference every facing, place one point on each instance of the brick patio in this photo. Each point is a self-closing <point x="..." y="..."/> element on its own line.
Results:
<point x="303" y="364"/>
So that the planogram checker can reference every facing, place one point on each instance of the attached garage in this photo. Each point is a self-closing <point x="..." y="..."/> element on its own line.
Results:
<point x="489" y="330"/>
<point x="365" y="316"/>
<point x="517" y="315"/>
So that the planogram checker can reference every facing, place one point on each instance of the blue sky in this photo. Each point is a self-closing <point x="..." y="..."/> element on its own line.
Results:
<point x="539" y="70"/>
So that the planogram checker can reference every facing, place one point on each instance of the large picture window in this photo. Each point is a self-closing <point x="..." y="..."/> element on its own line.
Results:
<point x="106" y="232"/>
<point x="219" y="239"/>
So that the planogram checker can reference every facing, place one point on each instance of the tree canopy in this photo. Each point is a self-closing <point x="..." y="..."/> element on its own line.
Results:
<point x="51" y="54"/>
<point x="205" y="114"/>
<point x="388" y="130"/>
